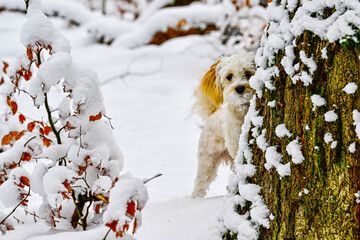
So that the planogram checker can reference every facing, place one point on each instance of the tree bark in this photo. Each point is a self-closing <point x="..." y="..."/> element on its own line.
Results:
<point x="331" y="175"/>
<point x="317" y="201"/>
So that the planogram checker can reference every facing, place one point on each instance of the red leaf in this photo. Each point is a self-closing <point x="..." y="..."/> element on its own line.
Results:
<point x="31" y="126"/>
<point x="135" y="226"/>
<point x="95" y="117"/>
<point x="22" y="118"/>
<point x="112" y="225"/>
<point x="26" y="156"/>
<point x="97" y="208"/>
<point x="47" y="130"/>
<point x="131" y="209"/>
<point x="24" y="180"/>
<point x="2" y="81"/>
<point x="29" y="53"/>
<point x="27" y="75"/>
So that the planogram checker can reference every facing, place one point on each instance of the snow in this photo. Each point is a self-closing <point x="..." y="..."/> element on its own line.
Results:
<point x="350" y="88"/>
<point x="150" y="113"/>
<point x="317" y="101"/>
<point x="330" y="116"/>
<point x="274" y="159"/>
<point x="294" y="150"/>
<point x="356" y="117"/>
<point x="352" y="147"/>
<point x="272" y="103"/>
<point x="328" y="137"/>
<point x="282" y="131"/>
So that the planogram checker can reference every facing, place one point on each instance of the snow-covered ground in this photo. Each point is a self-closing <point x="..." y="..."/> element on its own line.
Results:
<point x="148" y="95"/>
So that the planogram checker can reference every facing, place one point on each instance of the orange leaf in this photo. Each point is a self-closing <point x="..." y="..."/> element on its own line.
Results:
<point x="65" y="195"/>
<point x="2" y="81"/>
<point x="31" y="126"/>
<point x="14" y="107"/>
<point x="131" y="209"/>
<point x="8" y="101"/>
<point x="22" y="118"/>
<point x="47" y="130"/>
<point x="67" y="186"/>
<point x="6" y="65"/>
<point x="18" y="135"/>
<point x="181" y="23"/>
<point x="12" y="166"/>
<point x="41" y="131"/>
<point x="46" y="142"/>
<point x="95" y="117"/>
<point x="6" y="140"/>
<point x="29" y="53"/>
<point x="26" y="156"/>
<point x="24" y="180"/>
<point x="112" y="225"/>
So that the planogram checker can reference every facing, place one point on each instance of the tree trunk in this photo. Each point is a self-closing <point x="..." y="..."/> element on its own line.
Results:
<point x="319" y="199"/>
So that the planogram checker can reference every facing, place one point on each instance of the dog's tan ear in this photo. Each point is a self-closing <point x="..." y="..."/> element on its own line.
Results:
<point x="209" y="94"/>
<point x="209" y="88"/>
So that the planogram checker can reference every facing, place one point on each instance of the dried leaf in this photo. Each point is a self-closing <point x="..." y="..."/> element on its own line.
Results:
<point x="131" y="209"/>
<point x="47" y="130"/>
<point x="102" y="198"/>
<point x="29" y="53"/>
<point x="95" y="117"/>
<point x="14" y="107"/>
<point x="2" y="81"/>
<point x="6" y="65"/>
<point x="67" y="186"/>
<point x="181" y="23"/>
<point x="22" y="118"/>
<point x="12" y="166"/>
<point x="24" y="180"/>
<point x="112" y="225"/>
<point x="31" y="126"/>
<point x="6" y="140"/>
<point x="46" y="142"/>
<point x="26" y="156"/>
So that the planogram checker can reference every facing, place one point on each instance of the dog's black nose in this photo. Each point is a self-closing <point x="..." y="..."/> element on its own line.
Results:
<point x="240" y="89"/>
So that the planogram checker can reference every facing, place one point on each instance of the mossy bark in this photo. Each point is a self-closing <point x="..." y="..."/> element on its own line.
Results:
<point x="330" y="174"/>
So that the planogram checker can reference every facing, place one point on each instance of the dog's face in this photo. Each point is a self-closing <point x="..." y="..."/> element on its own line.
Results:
<point x="232" y="78"/>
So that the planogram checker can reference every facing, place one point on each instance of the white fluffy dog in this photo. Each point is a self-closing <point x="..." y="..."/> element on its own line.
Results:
<point x="223" y="98"/>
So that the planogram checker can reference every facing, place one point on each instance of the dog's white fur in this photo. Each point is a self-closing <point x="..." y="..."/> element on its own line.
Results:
<point x="223" y="98"/>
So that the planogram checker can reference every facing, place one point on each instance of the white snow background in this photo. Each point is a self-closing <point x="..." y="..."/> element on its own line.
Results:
<point x="148" y="94"/>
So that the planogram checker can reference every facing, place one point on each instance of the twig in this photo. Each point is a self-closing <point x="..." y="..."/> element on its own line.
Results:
<point x="149" y="179"/>
<point x="129" y="73"/>
<point x="3" y="221"/>
<point x="109" y="118"/>
<point x="107" y="234"/>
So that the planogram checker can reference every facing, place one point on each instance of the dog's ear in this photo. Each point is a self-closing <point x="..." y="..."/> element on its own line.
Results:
<point x="209" y="88"/>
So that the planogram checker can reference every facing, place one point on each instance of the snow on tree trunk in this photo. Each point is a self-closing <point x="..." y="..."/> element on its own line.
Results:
<point x="306" y="148"/>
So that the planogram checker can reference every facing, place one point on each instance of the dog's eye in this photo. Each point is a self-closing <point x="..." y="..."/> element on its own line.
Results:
<point x="248" y="75"/>
<point x="229" y="77"/>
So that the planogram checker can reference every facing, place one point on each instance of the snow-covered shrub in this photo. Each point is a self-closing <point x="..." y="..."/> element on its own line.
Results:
<point x="243" y="24"/>
<point x="76" y="161"/>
